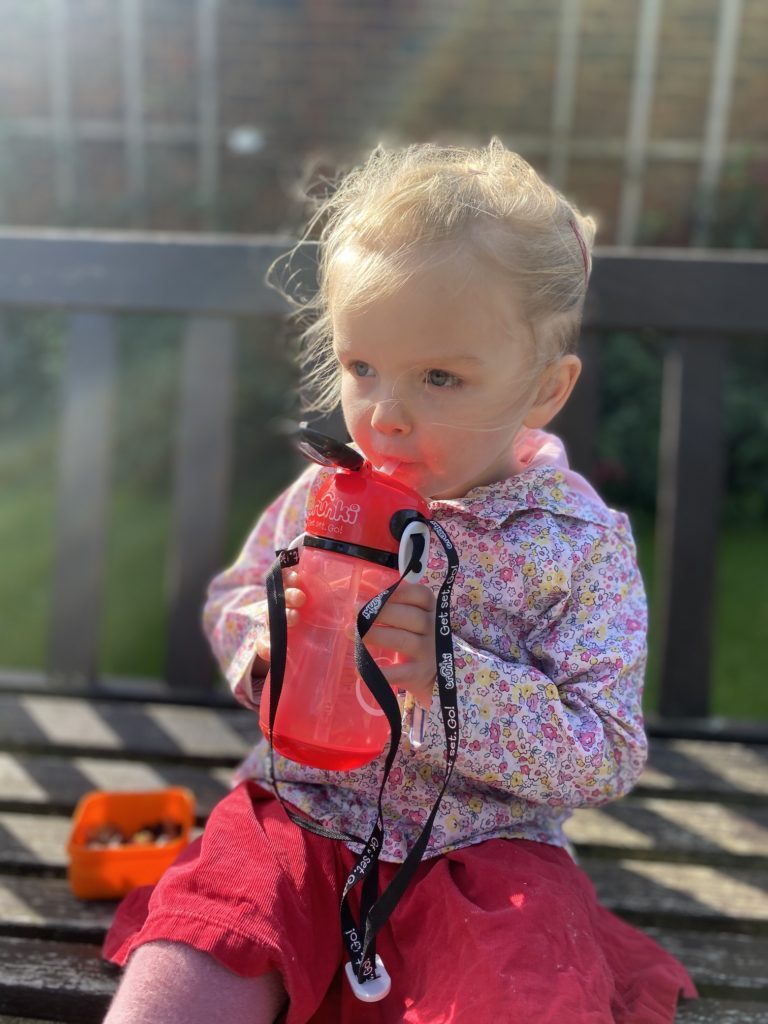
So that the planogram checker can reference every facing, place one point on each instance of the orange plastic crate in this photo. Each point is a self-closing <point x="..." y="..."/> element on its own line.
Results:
<point x="111" y="873"/>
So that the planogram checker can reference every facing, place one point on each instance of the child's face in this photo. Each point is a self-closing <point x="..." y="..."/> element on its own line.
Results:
<point x="438" y="376"/>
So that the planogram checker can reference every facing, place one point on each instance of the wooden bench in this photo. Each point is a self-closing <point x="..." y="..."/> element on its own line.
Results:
<point x="684" y="857"/>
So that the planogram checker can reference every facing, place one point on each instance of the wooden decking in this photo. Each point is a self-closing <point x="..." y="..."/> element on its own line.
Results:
<point x="685" y="857"/>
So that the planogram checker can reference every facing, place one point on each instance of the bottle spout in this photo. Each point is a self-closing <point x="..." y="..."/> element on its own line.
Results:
<point x="388" y="466"/>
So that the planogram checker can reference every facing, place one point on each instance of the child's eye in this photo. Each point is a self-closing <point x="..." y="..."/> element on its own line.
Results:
<point x="361" y="369"/>
<point x="442" y="379"/>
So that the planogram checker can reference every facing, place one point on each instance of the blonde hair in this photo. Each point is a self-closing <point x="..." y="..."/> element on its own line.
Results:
<point x="400" y="208"/>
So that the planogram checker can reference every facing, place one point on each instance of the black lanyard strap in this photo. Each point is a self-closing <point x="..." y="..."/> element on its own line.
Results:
<point x="360" y="939"/>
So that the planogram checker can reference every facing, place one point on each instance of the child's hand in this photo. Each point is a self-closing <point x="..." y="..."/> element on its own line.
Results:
<point x="406" y="625"/>
<point x="294" y="599"/>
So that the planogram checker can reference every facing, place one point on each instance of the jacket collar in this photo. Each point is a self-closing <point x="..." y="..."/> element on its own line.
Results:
<point x="545" y="482"/>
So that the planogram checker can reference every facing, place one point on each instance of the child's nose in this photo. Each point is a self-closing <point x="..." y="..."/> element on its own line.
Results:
<point x="390" y="417"/>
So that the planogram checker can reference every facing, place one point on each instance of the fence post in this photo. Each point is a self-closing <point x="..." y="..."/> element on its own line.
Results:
<point x="85" y="454"/>
<point x="577" y="423"/>
<point x="688" y="505"/>
<point x="202" y="477"/>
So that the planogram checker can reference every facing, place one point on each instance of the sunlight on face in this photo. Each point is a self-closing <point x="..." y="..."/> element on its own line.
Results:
<point x="438" y="375"/>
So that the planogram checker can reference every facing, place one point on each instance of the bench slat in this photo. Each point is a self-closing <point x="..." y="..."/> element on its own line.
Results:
<point x="34" y="841"/>
<point x="730" y="770"/>
<point x="719" y="960"/>
<point x="54" y="980"/>
<point x="692" y="829"/>
<point x="23" y="1020"/>
<point x="46" y="908"/>
<point x="657" y="892"/>
<point x="30" y="783"/>
<point x="136" y="730"/>
<point x="717" y="1011"/>
<point x="140" y="273"/>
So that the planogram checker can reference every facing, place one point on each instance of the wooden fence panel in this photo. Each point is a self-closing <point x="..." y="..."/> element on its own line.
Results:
<point x="201" y="493"/>
<point x="689" y="491"/>
<point x="83" y="491"/>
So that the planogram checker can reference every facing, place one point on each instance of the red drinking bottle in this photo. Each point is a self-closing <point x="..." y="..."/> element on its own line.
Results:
<point x="359" y="526"/>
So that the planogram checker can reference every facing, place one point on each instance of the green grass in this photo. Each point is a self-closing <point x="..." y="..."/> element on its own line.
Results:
<point x="27" y="500"/>
<point x="740" y="621"/>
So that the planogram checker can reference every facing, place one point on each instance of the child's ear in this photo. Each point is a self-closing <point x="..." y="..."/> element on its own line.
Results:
<point x="554" y="391"/>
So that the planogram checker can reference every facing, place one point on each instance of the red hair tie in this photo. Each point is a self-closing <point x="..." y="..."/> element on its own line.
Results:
<point x="584" y="250"/>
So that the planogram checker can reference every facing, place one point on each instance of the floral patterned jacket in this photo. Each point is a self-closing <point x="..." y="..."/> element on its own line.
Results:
<point x="549" y="620"/>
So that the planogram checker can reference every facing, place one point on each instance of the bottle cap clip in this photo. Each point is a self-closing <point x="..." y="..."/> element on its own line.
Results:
<point x="374" y="989"/>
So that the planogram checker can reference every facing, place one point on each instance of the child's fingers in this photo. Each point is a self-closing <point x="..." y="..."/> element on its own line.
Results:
<point x="262" y="647"/>
<point x="403" y="641"/>
<point x="401" y="675"/>
<point x="294" y="598"/>
<point x="412" y="611"/>
<point x="406" y="616"/>
<point x="294" y="595"/>
<point x="416" y="595"/>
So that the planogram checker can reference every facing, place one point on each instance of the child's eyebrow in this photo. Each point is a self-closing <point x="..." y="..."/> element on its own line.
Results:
<point x="439" y="359"/>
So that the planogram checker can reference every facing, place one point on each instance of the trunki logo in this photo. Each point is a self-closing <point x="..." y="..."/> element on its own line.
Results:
<point x="336" y="511"/>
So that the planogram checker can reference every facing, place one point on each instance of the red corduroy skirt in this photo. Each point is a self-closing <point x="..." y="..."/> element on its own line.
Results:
<point x="506" y="930"/>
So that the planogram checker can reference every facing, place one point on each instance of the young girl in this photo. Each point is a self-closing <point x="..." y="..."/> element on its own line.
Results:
<point x="451" y="285"/>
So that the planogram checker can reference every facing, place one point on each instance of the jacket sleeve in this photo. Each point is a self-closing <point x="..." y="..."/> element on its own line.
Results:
<point x="235" y="612"/>
<point x="557" y="719"/>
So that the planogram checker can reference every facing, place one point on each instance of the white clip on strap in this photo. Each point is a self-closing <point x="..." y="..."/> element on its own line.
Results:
<point x="406" y="551"/>
<point x="374" y="989"/>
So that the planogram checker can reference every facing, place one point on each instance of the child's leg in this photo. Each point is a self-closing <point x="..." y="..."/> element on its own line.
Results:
<point x="171" y="983"/>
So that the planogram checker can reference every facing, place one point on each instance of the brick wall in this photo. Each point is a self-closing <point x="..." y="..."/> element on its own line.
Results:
<point x="325" y="79"/>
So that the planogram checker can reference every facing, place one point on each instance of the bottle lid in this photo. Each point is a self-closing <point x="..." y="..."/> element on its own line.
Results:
<point x="355" y="503"/>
